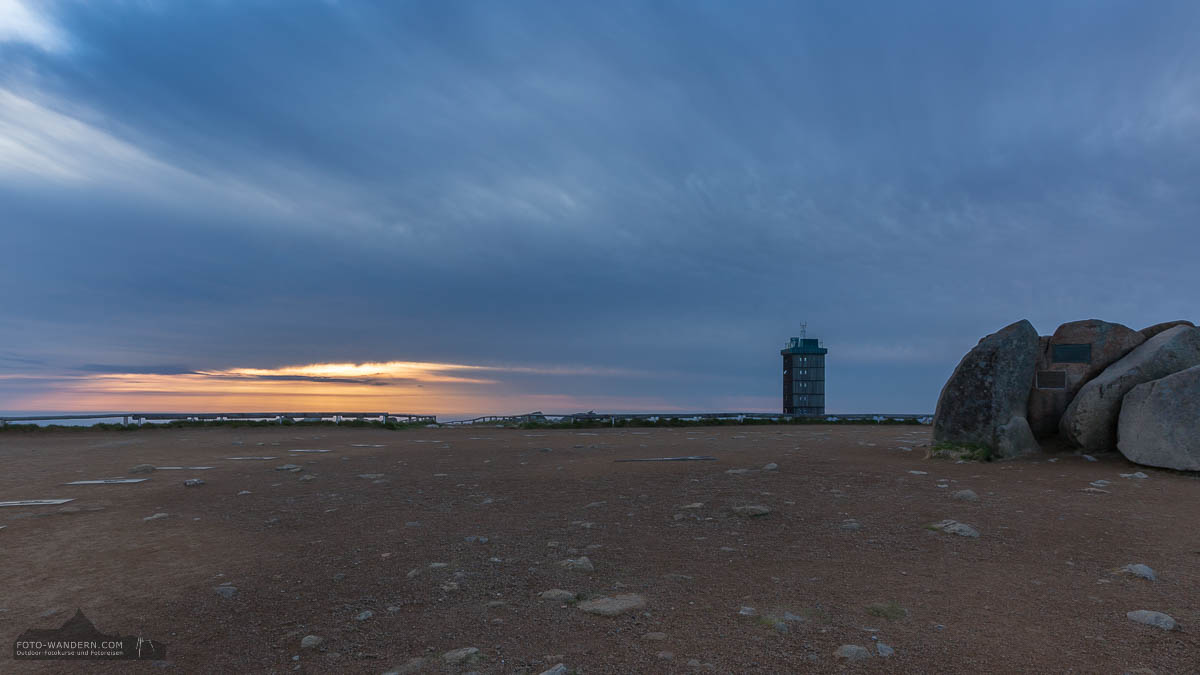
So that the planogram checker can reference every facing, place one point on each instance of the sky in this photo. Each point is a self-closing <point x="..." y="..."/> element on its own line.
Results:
<point x="485" y="208"/>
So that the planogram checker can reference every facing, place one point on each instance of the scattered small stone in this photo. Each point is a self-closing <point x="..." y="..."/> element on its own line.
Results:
<point x="438" y="565"/>
<point x="966" y="496"/>
<point x="770" y="467"/>
<point x="852" y="653"/>
<point x="462" y="655"/>
<point x="737" y="472"/>
<point x="788" y="616"/>
<point x="674" y="576"/>
<point x="1150" y="618"/>
<point x="289" y="467"/>
<point x="884" y="650"/>
<point x="752" y="510"/>
<point x="613" y="606"/>
<point x="473" y="539"/>
<point x="955" y="527"/>
<point x="364" y="615"/>
<point x="915" y="473"/>
<point x="748" y="611"/>
<point x="311" y="641"/>
<point x="1140" y="570"/>
<point x="307" y="477"/>
<point x="193" y="482"/>
<point x="1136" y="474"/>
<point x="1095" y="491"/>
<point x="1100" y="483"/>
<point x="595" y="505"/>
<point x="665" y="655"/>
<point x="655" y="636"/>
<point x="580" y="564"/>
<point x="370" y="476"/>
<point x="143" y="468"/>
<point x="156" y="516"/>
<point x="850" y="525"/>
<point x="226" y="592"/>
<point x="558" y="669"/>
<point x="557" y="595"/>
<point x="1090" y="458"/>
<point x="694" y="505"/>
<point x="413" y="665"/>
<point x="244" y="492"/>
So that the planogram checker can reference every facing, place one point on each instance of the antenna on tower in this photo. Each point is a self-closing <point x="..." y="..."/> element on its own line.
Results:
<point x="804" y="330"/>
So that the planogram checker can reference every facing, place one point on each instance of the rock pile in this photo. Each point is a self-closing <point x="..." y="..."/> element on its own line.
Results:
<point x="1099" y="385"/>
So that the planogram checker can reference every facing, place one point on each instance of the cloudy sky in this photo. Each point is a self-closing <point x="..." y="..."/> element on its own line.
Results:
<point x="481" y="207"/>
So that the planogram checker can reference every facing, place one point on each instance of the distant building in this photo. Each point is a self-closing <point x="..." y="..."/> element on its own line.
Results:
<point x="803" y="377"/>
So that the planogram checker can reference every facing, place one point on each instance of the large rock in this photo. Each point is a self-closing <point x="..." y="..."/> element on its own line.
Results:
<point x="1160" y="422"/>
<point x="985" y="400"/>
<point x="1091" y="419"/>
<point x="1151" y="331"/>
<point x="1077" y="352"/>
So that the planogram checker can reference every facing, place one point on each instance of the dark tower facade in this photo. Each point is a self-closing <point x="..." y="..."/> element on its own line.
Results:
<point x="803" y="377"/>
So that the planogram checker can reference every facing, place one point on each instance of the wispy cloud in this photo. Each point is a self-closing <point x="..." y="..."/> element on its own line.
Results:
<point x="29" y="23"/>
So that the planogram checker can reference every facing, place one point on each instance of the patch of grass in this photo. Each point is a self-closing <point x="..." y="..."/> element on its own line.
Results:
<point x="891" y="610"/>
<point x="192" y="424"/>
<point x="971" y="452"/>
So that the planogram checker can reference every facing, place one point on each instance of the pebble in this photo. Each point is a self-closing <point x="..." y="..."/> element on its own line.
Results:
<point x="737" y="472"/>
<point x="850" y="525"/>
<point x="1136" y="474"/>
<point x="1140" y="570"/>
<point x="852" y="653"/>
<point x="289" y="467"/>
<point x="771" y="467"/>
<point x="1090" y="458"/>
<point x="752" y="510"/>
<point x="370" y="476"/>
<point x="413" y="665"/>
<point x="473" y="539"/>
<point x="364" y="615"/>
<point x="156" y="516"/>
<point x="655" y="636"/>
<point x="884" y="650"/>
<point x="559" y="669"/>
<point x="311" y="641"/>
<point x="143" y="468"/>
<point x="966" y="496"/>
<point x="462" y="655"/>
<point x="307" y="477"/>
<point x="193" y="482"/>
<point x="244" y="492"/>
<point x="613" y="606"/>
<point x="1100" y="483"/>
<point x="955" y="527"/>
<point x="557" y="595"/>
<point x="595" y="505"/>
<point x="580" y="564"/>
<point x="1150" y="618"/>
<point x="665" y="656"/>
<point x="694" y="505"/>
<point x="747" y="611"/>
<point x="226" y="592"/>
<point x="915" y="473"/>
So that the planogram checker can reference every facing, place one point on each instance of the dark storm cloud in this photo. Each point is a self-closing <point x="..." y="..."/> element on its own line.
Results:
<point x="666" y="187"/>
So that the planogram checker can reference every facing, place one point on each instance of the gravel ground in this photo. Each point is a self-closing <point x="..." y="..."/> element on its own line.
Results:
<point x="396" y="546"/>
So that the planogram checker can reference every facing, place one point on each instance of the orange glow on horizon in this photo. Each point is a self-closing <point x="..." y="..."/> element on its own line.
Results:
<point x="395" y="386"/>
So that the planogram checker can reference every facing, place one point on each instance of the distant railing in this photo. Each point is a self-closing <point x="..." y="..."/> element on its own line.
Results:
<point x="543" y="418"/>
<point x="534" y="417"/>
<point x="142" y="418"/>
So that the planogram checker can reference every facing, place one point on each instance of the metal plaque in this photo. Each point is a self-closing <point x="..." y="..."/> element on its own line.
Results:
<point x="1051" y="379"/>
<point x="1072" y="353"/>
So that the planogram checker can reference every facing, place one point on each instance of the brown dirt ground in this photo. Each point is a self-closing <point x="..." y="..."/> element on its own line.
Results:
<point x="1036" y="593"/>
